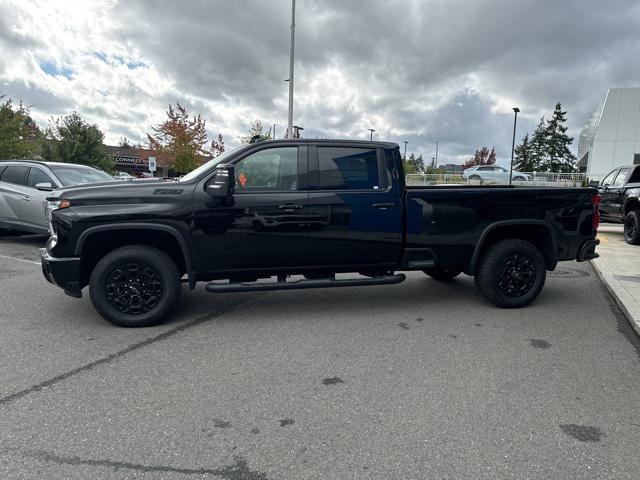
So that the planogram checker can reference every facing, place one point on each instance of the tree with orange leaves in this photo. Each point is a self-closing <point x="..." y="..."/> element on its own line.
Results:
<point x="180" y="140"/>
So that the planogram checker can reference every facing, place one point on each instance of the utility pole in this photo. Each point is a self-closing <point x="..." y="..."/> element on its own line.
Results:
<point x="291" y="56"/>
<point x="405" y="149"/>
<point x="371" y="136"/>
<point x="513" y="144"/>
<point x="436" y="159"/>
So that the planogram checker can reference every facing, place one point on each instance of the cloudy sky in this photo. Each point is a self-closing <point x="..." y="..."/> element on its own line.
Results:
<point x="415" y="70"/>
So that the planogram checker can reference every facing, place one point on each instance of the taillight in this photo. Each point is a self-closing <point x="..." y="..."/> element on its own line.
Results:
<point x="595" y="219"/>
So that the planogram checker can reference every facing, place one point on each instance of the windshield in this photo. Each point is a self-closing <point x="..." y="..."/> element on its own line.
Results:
<point x="69" y="176"/>
<point x="211" y="163"/>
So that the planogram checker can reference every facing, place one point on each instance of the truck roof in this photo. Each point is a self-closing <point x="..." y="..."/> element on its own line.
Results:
<point x="330" y="142"/>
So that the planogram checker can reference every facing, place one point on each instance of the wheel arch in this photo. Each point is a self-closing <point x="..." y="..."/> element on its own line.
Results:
<point x="538" y="232"/>
<point x="106" y="238"/>
<point x="632" y="203"/>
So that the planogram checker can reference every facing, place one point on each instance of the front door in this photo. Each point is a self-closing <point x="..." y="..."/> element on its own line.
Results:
<point x="611" y="193"/>
<point x="266" y="227"/>
<point x="355" y="215"/>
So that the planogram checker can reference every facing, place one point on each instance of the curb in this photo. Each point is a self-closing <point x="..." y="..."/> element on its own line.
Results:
<point x="617" y="291"/>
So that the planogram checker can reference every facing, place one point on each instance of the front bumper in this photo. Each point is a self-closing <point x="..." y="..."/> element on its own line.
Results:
<point x="64" y="272"/>
<point x="588" y="250"/>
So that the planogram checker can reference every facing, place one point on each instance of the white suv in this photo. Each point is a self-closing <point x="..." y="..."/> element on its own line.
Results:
<point x="493" y="173"/>
<point x="25" y="184"/>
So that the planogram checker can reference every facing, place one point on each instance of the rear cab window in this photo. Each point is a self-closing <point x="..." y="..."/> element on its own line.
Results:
<point x="347" y="168"/>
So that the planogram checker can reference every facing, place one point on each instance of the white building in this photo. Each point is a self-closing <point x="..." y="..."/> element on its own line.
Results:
<point x="611" y="138"/>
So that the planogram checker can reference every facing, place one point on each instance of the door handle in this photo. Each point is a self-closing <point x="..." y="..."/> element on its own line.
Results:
<point x="26" y="198"/>
<point x="289" y="207"/>
<point x="383" y="206"/>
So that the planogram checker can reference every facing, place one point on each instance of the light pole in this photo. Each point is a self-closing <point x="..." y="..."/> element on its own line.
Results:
<point x="291" y="51"/>
<point x="513" y="143"/>
<point x="405" y="149"/>
<point x="371" y="136"/>
<point x="436" y="159"/>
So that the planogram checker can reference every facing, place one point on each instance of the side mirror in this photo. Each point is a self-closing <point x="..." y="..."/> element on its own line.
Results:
<point x="223" y="183"/>
<point x="594" y="183"/>
<point x="44" y="187"/>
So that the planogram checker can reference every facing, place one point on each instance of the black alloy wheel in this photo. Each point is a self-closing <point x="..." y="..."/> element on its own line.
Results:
<point x="134" y="288"/>
<point x="632" y="228"/>
<point x="511" y="273"/>
<point x="516" y="275"/>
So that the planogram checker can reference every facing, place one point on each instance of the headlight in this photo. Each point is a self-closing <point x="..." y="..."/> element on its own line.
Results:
<point x="51" y="206"/>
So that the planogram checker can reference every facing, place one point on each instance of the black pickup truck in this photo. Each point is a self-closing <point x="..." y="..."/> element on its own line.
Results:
<point x="620" y="192"/>
<point x="262" y="213"/>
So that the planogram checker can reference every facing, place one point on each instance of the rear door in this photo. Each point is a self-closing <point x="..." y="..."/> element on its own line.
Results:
<point x="13" y="190"/>
<point x="355" y="216"/>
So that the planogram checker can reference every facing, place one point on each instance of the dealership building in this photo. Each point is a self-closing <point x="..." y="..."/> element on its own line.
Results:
<point x="611" y="137"/>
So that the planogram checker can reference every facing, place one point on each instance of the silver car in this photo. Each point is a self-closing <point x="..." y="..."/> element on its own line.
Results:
<point x="25" y="184"/>
<point x="494" y="174"/>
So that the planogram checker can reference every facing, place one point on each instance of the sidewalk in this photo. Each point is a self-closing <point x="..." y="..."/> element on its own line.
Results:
<point x="619" y="269"/>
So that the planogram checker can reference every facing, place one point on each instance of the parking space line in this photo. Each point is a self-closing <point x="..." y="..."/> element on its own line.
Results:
<point x="8" y="257"/>
<point x="114" y="356"/>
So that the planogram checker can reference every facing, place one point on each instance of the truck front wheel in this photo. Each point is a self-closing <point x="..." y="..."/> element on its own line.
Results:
<point x="632" y="227"/>
<point x="135" y="286"/>
<point x="511" y="273"/>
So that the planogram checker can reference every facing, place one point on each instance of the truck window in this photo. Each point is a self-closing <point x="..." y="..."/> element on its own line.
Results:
<point x="635" y="176"/>
<point x="348" y="168"/>
<point x="621" y="178"/>
<point x="274" y="169"/>
<point x="15" y="174"/>
<point x="609" y="178"/>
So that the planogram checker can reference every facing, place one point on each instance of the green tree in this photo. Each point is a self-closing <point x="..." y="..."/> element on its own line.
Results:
<point x="559" y="157"/>
<point x="409" y="168"/>
<point x="179" y="141"/>
<point x="523" y="161"/>
<point x="538" y="148"/>
<point x="72" y="140"/>
<point x="416" y="162"/>
<point x="256" y="130"/>
<point x="19" y="134"/>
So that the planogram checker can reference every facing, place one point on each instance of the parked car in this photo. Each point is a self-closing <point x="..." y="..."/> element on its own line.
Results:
<point x="620" y="192"/>
<point x="25" y="184"/>
<point x="133" y="243"/>
<point x="123" y="176"/>
<point x="493" y="174"/>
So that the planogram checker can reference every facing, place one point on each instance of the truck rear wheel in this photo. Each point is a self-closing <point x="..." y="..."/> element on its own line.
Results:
<point x="511" y="273"/>
<point x="442" y="274"/>
<point x="632" y="227"/>
<point x="135" y="286"/>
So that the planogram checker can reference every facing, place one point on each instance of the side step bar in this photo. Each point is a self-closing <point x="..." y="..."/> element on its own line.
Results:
<point x="300" y="284"/>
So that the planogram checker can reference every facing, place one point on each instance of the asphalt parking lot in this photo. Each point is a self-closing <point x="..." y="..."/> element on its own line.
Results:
<point x="416" y="381"/>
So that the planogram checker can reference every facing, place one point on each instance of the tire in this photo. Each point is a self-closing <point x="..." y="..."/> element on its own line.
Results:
<point x="519" y="179"/>
<point x="475" y="177"/>
<point x="511" y="273"/>
<point x="135" y="286"/>
<point x="632" y="227"/>
<point x="442" y="274"/>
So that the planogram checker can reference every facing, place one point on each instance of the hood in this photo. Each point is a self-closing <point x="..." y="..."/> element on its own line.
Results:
<point x="115" y="191"/>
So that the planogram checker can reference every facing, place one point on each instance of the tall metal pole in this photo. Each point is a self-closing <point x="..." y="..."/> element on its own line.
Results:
<point x="371" y="136"/>
<point x="405" y="149"/>
<point x="291" y="56"/>
<point x="513" y="143"/>
<point x="437" y="145"/>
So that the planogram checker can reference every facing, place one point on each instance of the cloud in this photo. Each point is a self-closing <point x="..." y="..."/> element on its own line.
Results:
<point x="421" y="71"/>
